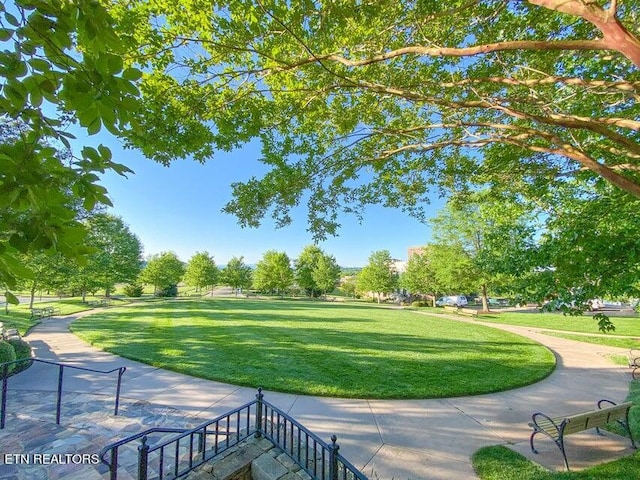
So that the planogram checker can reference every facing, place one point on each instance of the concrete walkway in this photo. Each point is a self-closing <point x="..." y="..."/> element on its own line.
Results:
<point x="399" y="439"/>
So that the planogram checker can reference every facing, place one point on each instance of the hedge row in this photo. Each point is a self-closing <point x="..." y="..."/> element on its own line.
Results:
<point x="15" y="349"/>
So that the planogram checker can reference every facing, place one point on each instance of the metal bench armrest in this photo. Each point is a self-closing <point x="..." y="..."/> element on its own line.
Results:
<point x="611" y="403"/>
<point x="534" y="422"/>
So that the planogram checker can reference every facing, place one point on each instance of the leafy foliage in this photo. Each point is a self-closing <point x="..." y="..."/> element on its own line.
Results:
<point x="391" y="102"/>
<point x="117" y="253"/>
<point x="273" y="272"/>
<point x="326" y="273"/>
<point x="420" y="276"/>
<point x="167" y="291"/>
<point x="316" y="271"/>
<point x="304" y="268"/>
<point x="163" y="271"/>
<point x="379" y="275"/>
<point x="23" y="351"/>
<point x="236" y="274"/>
<point x="62" y="65"/>
<point x="7" y="354"/>
<point x="133" y="290"/>
<point x="494" y="240"/>
<point x="201" y="271"/>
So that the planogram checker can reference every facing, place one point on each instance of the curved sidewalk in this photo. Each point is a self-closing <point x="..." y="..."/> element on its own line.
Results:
<point x="401" y="439"/>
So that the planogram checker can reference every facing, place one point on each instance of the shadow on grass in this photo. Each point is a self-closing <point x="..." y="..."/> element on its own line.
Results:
<point x="339" y="356"/>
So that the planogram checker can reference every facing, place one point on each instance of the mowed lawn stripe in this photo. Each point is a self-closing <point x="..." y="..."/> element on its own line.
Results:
<point x="316" y="348"/>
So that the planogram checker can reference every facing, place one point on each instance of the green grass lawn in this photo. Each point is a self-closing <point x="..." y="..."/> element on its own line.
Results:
<point x="628" y="326"/>
<point x="627" y="343"/>
<point x="319" y="348"/>
<point x="502" y="463"/>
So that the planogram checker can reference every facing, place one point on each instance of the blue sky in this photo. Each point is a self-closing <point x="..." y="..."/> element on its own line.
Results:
<point x="177" y="208"/>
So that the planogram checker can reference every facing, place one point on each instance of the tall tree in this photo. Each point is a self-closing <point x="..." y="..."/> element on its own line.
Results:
<point x="273" y="272"/>
<point x="496" y="236"/>
<point x="117" y="256"/>
<point x="50" y="272"/>
<point x="379" y="275"/>
<point x="589" y="248"/>
<point x="420" y="276"/>
<point x="304" y="266"/>
<point x="326" y="273"/>
<point x="453" y="268"/>
<point x="201" y="271"/>
<point x="386" y="102"/>
<point x="162" y="270"/>
<point x="237" y="275"/>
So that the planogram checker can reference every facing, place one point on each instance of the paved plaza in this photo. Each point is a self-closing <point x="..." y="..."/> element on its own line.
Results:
<point x="399" y="439"/>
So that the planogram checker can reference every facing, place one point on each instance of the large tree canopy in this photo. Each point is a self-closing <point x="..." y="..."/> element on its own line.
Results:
<point x="387" y="102"/>
<point x="61" y="64"/>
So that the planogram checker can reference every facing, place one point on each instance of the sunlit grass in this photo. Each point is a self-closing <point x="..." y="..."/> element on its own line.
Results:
<point x="627" y="326"/>
<point x="319" y="348"/>
<point x="627" y="343"/>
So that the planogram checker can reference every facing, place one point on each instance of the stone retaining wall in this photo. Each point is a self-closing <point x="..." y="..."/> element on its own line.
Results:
<point x="252" y="459"/>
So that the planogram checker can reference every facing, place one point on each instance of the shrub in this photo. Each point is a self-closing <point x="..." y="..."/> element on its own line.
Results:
<point x="23" y="350"/>
<point x="419" y="303"/>
<point x="133" y="290"/>
<point x="7" y="354"/>
<point x="170" y="291"/>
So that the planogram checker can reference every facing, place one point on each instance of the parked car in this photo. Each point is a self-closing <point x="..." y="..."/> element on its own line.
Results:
<point x="451" y="301"/>
<point x="498" y="302"/>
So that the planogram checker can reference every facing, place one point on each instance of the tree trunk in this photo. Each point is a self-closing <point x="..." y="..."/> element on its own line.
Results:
<point x="84" y="295"/>
<point x="33" y="294"/>
<point x="485" y="300"/>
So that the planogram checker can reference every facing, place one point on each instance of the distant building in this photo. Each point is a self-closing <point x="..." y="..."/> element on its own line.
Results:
<point x="400" y="266"/>
<point x="411" y="251"/>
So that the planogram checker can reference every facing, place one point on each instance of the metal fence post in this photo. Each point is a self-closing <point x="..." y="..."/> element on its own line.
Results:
<point x="3" y="406"/>
<point x="113" y="468"/>
<point x="143" y="459"/>
<point x="259" y="397"/>
<point x="59" y="405"/>
<point x="333" y="458"/>
<point x="121" y="371"/>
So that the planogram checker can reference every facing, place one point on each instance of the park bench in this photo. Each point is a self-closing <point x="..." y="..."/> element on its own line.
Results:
<point x="634" y="361"/>
<point x="98" y="303"/>
<point x="461" y="311"/>
<point x="8" y="333"/>
<point x="43" y="312"/>
<point x="556" y="428"/>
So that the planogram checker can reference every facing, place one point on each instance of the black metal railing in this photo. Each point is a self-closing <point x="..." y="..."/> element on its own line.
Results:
<point x="5" y="368"/>
<point x="180" y="454"/>
<point x="320" y="460"/>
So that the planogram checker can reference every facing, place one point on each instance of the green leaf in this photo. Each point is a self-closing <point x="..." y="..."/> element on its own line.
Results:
<point x="105" y="152"/>
<point x="114" y="63"/>
<point x="94" y="127"/>
<point x="132" y="74"/>
<point x="11" y="19"/>
<point x="40" y="64"/>
<point x="36" y="98"/>
<point x="11" y="298"/>
<point x="5" y="34"/>
<point x="91" y="153"/>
